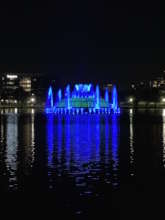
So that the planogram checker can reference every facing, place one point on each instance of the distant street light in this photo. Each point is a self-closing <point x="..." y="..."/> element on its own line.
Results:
<point x="33" y="100"/>
<point x="130" y="100"/>
<point x="163" y="99"/>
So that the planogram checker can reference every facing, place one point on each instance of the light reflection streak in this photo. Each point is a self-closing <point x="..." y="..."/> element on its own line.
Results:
<point x="107" y="138"/>
<point x="32" y="139"/>
<point x="114" y="142"/>
<point x="89" y="139"/>
<point x="163" y="135"/>
<point x="59" y="138"/>
<point x="131" y="137"/>
<point x="76" y="151"/>
<point x="50" y="139"/>
<point x="97" y="136"/>
<point x="2" y="129"/>
<point x="11" y="148"/>
<point x="115" y="149"/>
<point x="68" y="141"/>
<point x="28" y="143"/>
<point x="2" y="146"/>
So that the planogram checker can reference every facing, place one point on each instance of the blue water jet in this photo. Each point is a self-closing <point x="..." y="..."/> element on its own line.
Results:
<point x="67" y="94"/>
<point x="106" y="95"/>
<point x="59" y="95"/>
<point x="97" y="96"/>
<point x="115" y="100"/>
<point x="49" y="101"/>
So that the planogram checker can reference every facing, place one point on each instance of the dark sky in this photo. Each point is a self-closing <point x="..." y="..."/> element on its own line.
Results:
<point x="80" y="40"/>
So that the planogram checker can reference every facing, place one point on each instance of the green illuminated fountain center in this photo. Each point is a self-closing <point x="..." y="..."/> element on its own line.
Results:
<point x="82" y="103"/>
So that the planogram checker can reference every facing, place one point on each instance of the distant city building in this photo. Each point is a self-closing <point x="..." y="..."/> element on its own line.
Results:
<point x="9" y="81"/>
<point x="21" y="87"/>
<point x="14" y="81"/>
<point x="157" y="83"/>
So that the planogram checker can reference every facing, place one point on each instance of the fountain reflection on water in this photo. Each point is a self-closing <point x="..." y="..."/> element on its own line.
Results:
<point x="79" y="149"/>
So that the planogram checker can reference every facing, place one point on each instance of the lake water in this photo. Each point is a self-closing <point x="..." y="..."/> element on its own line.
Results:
<point x="84" y="160"/>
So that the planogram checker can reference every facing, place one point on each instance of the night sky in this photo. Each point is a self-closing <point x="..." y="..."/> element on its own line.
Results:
<point x="82" y="41"/>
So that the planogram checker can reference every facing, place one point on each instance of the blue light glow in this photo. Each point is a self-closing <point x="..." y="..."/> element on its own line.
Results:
<point x="83" y="90"/>
<point x="75" y="145"/>
<point x="97" y="97"/>
<point x="106" y="95"/>
<point x="59" y="95"/>
<point x="67" y="94"/>
<point x="84" y="99"/>
<point x="49" y="102"/>
<point x="115" y="100"/>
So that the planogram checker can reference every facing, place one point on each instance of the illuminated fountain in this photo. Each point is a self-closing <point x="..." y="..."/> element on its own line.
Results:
<point x="59" y="95"/>
<point x="49" y="101"/>
<point x="97" y="96"/>
<point x="84" y="99"/>
<point x="115" y="100"/>
<point x="106" y="95"/>
<point x="67" y="93"/>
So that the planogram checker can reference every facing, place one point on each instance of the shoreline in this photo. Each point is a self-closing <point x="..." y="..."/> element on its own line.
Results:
<point x="121" y="107"/>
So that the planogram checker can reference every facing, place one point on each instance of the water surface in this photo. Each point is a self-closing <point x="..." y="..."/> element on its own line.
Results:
<point x="82" y="159"/>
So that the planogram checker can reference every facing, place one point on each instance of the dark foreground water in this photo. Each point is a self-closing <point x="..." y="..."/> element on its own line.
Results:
<point x="87" y="162"/>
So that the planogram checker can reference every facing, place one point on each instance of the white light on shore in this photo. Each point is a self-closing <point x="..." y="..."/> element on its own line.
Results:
<point x="163" y="112"/>
<point x="16" y="110"/>
<point x="32" y="100"/>
<point x="12" y="76"/>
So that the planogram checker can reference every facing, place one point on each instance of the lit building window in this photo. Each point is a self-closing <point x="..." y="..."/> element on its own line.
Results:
<point x="11" y="77"/>
<point x="25" y="83"/>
